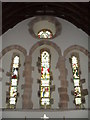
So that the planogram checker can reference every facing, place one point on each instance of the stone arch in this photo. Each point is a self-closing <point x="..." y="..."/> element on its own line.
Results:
<point x="76" y="47"/>
<point x="12" y="47"/>
<point x="44" y="42"/>
<point x="9" y="48"/>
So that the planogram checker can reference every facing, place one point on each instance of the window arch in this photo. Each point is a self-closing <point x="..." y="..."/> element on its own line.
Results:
<point x="14" y="79"/>
<point x="45" y="78"/>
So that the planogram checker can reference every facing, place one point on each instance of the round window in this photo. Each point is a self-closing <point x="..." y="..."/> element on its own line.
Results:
<point x="45" y="27"/>
<point x="45" y="33"/>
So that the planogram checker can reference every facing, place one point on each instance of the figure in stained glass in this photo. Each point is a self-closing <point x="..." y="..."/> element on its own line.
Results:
<point x="14" y="81"/>
<point x="76" y="79"/>
<point x="45" y="78"/>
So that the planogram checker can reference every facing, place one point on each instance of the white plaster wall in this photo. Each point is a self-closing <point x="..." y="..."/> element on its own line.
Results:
<point x="20" y="35"/>
<point x="51" y="114"/>
<point x="0" y="99"/>
<point x="0" y="81"/>
<point x="6" y="63"/>
<point x="70" y="35"/>
<point x="36" y="75"/>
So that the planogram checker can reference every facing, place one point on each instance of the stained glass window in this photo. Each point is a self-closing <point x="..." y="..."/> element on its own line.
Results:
<point x="14" y="81"/>
<point x="45" y="78"/>
<point x="76" y="80"/>
<point x="45" y="33"/>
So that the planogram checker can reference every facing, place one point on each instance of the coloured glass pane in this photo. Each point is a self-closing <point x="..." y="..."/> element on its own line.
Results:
<point x="77" y="92"/>
<point x="76" y="79"/>
<point x="45" y="101"/>
<point x="45" y="92"/>
<point x="15" y="71"/>
<point x="45" y="57"/>
<point x="44" y="82"/>
<point x="14" y="76"/>
<point x="45" y="34"/>
<point x="78" y="101"/>
<point x="15" y="65"/>
<point x="13" y="91"/>
<point x="76" y="82"/>
<point x="14" y="81"/>
<point x="16" y="60"/>
<point x="12" y="101"/>
<point x="75" y="67"/>
<point x="45" y="78"/>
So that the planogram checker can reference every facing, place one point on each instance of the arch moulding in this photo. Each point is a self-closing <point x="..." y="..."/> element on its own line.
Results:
<point x="76" y="47"/>
<point x="9" y="48"/>
<point x="12" y="47"/>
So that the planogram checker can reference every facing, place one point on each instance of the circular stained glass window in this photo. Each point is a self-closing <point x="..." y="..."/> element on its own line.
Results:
<point x="45" y="33"/>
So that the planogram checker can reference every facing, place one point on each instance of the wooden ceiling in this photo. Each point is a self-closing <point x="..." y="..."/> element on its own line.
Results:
<point x="75" y="12"/>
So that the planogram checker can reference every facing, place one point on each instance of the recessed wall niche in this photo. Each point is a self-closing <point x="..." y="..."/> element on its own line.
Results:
<point x="45" y="27"/>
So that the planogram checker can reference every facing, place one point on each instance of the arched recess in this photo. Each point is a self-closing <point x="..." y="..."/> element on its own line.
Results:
<point x="27" y="103"/>
<point x="81" y="52"/>
<point x="5" y="60"/>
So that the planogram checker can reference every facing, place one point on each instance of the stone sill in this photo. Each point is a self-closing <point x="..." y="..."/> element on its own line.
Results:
<point x="50" y="113"/>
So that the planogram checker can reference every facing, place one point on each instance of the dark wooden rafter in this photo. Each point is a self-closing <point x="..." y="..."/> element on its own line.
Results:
<point x="75" y="12"/>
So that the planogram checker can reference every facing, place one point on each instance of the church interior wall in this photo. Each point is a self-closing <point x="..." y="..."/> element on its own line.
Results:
<point x="70" y="35"/>
<point x="20" y="35"/>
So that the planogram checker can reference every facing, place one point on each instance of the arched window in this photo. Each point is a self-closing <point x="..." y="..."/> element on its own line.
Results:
<point x="76" y="80"/>
<point x="45" y="33"/>
<point x="14" y="81"/>
<point x="45" y="79"/>
<point x="79" y="92"/>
